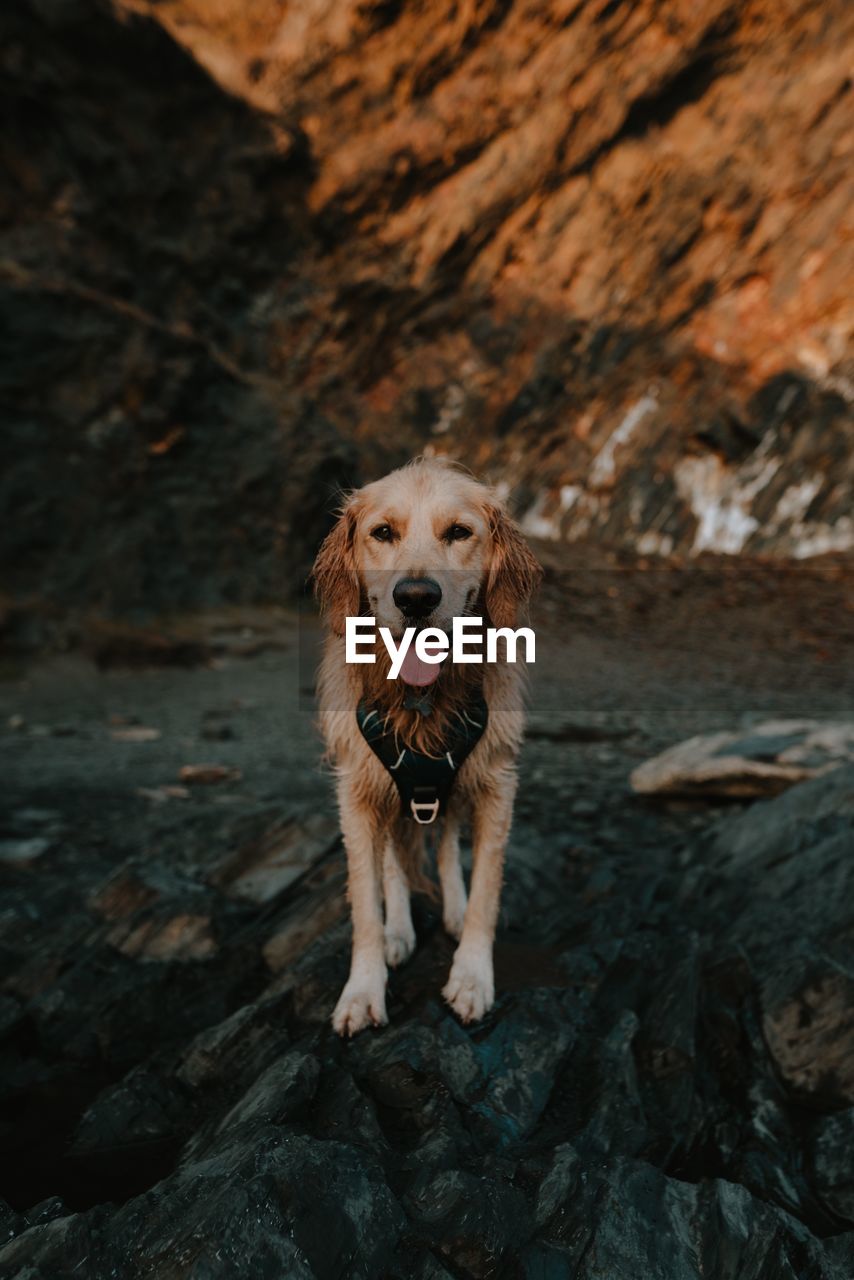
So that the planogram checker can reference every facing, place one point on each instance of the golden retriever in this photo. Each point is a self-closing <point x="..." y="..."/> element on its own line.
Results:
<point x="421" y="546"/>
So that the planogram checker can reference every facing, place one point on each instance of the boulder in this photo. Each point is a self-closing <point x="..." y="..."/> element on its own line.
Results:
<point x="764" y="761"/>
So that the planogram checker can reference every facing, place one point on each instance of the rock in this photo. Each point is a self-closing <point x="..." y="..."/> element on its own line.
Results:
<point x="792" y="852"/>
<point x="182" y="937"/>
<point x="786" y="829"/>
<point x="773" y="756"/>
<point x="558" y="1185"/>
<point x="231" y="1053"/>
<point x="138" y="1109"/>
<point x="304" y="924"/>
<point x="302" y="1209"/>
<point x="270" y="864"/>
<point x="584" y="808"/>
<point x="49" y="1209"/>
<point x="671" y="377"/>
<point x="685" y="1230"/>
<point x="833" y="1144"/>
<point x="808" y="1022"/>
<point x="149" y="390"/>
<point x="10" y="1013"/>
<point x="205" y="775"/>
<point x="278" y="1092"/>
<point x="24" y="852"/>
<point x="519" y="1060"/>
<point x="472" y="1220"/>
<point x="619" y="1105"/>
<point x="135" y="733"/>
<point x="125" y="893"/>
<point x="656" y="1091"/>
<point x="141" y="907"/>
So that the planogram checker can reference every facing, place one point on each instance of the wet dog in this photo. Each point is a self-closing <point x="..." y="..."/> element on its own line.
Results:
<point x="421" y="547"/>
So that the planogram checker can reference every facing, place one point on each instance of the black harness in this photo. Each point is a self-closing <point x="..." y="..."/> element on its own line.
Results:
<point x="424" y="781"/>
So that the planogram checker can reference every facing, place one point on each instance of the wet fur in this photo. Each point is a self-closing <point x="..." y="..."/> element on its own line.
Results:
<point x="375" y="832"/>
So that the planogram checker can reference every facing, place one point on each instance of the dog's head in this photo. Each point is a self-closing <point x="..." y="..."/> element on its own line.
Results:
<point x="422" y="546"/>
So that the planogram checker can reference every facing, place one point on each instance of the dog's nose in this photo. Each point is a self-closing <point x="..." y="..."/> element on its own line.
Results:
<point x="416" y="597"/>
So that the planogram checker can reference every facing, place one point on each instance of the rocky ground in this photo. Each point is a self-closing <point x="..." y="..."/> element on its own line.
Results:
<point x="249" y="254"/>
<point x="665" y="1086"/>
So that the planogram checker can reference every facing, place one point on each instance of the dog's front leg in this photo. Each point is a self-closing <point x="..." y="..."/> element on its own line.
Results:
<point x="470" y="990"/>
<point x="399" y="930"/>
<point x="451" y="878"/>
<point x="362" y="1001"/>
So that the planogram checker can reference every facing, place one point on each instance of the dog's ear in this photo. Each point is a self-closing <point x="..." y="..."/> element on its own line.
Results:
<point x="512" y="574"/>
<point x="335" y="575"/>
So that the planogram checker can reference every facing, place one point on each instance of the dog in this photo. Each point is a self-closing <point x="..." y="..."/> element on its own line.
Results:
<point x="425" y="544"/>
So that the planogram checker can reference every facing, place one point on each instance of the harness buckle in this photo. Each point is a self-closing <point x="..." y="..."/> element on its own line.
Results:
<point x="423" y="809"/>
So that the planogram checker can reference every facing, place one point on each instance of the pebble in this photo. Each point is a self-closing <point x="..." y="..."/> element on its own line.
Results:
<point x="23" y="851"/>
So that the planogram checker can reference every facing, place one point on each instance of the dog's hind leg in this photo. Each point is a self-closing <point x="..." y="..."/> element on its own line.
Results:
<point x="451" y="877"/>
<point x="399" y="930"/>
<point x="362" y="1001"/>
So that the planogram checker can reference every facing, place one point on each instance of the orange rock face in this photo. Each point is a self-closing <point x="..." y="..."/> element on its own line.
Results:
<point x="573" y="243"/>
<point x="600" y="251"/>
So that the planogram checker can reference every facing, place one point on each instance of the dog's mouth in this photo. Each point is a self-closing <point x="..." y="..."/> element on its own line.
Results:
<point x="414" y="671"/>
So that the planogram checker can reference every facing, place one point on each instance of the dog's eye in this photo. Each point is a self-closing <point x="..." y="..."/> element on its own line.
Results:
<point x="457" y="533"/>
<point x="383" y="533"/>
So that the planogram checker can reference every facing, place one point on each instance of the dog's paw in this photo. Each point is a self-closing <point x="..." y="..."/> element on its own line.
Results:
<point x="470" y="989"/>
<point x="360" y="1005"/>
<point x="399" y="945"/>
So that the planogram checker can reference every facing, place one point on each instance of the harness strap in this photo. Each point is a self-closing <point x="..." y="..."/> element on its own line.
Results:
<point x="424" y="782"/>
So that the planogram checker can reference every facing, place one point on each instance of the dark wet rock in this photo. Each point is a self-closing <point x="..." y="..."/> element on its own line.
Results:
<point x="833" y="1162"/>
<point x="808" y="1022"/>
<point x="422" y="1266"/>
<point x="146" y="922"/>
<point x="145" y="1107"/>
<point x="180" y="937"/>
<point x="679" y="1229"/>
<point x="793" y="852"/>
<point x="584" y="808"/>
<point x="272" y="862"/>
<point x="11" y="1223"/>
<point x="473" y="1220"/>
<point x="223" y="1056"/>
<point x="24" y="852"/>
<point x="300" y="926"/>
<point x="10" y="1013"/>
<point x="27" y="834"/>
<point x="558" y="1185"/>
<point x="660" y="1090"/>
<point x="286" y="1085"/>
<point x="792" y="825"/>
<point x="302" y="1209"/>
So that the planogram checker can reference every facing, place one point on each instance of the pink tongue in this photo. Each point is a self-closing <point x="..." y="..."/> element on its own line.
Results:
<point x="414" y="671"/>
